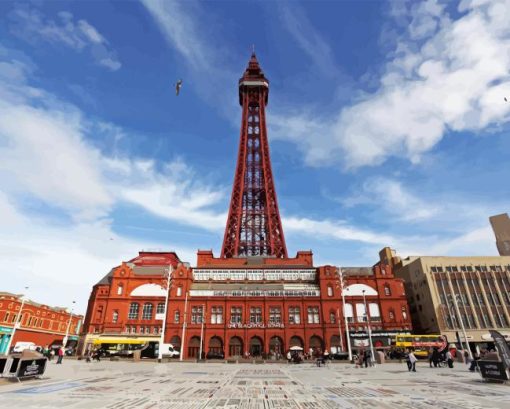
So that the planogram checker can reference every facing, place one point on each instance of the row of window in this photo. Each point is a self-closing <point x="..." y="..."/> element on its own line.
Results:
<point x="27" y="320"/>
<point x="134" y="329"/>
<point x="454" y="269"/>
<point x="256" y="316"/>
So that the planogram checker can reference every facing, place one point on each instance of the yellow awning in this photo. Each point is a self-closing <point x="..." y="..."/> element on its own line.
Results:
<point x="123" y="340"/>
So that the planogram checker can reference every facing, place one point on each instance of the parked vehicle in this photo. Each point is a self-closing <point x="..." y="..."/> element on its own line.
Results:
<point x="21" y="346"/>
<point x="169" y="350"/>
<point x="215" y="355"/>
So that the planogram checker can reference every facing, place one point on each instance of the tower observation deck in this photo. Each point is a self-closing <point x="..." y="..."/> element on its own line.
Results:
<point x="254" y="226"/>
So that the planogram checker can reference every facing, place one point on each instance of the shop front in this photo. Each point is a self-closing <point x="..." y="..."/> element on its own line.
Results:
<point x="5" y="336"/>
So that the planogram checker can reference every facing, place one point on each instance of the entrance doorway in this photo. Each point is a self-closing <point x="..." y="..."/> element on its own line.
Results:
<point x="235" y="347"/>
<point x="276" y="347"/>
<point x="194" y="347"/>
<point x="256" y="346"/>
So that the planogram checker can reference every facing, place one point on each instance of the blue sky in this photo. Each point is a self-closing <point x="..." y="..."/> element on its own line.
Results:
<point x="387" y="126"/>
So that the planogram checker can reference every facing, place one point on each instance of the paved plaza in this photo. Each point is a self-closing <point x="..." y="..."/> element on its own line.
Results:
<point x="123" y="385"/>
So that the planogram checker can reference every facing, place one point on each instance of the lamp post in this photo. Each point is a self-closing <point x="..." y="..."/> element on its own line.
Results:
<point x="202" y="333"/>
<point x="64" y="341"/>
<point x="341" y="277"/>
<point x="162" y="336"/>
<point x="17" y="323"/>
<point x="369" y="327"/>
<point x="184" y="326"/>
<point x="456" y="305"/>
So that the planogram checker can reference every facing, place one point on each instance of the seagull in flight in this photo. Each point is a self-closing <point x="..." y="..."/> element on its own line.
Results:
<point x="178" y="86"/>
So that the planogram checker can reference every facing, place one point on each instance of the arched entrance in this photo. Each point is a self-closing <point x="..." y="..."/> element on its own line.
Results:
<point x="215" y="345"/>
<point x="276" y="347"/>
<point x="256" y="348"/>
<point x="235" y="347"/>
<point x="296" y="341"/>
<point x="194" y="347"/>
<point x="335" y="344"/>
<point x="316" y="343"/>
<point x="175" y="341"/>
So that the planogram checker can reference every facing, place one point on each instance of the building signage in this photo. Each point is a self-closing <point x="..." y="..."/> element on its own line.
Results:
<point x="254" y="275"/>
<point x="493" y="370"/>
<point x="377" y="334"/>
<point x="255" y="293"/>
<point x="31" y="367"/>
<point x="502" y="346"/>
<point x="255" y="325"/>
<point x="160" y="316"/>
<point x="5" y="330"/>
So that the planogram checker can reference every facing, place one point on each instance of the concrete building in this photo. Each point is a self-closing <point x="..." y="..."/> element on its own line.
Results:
<point x="501" y="227"/>
<point x="445" y="293"/>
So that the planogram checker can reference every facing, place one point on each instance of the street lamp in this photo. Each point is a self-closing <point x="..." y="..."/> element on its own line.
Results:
<point x="369" y="327"/>
<point x="17" y="324"/>
<point x="162" y="336"/>
<point x="64" y="341"/>
<point x="340" y="274"/>
<point x="202" y="333"/>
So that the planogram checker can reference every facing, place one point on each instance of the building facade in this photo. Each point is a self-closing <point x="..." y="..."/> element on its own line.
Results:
<point x="38" y="323"/>
<point x="501" y="227"/>
<point x="446" y="293"/>
<point x="254" y="299"/>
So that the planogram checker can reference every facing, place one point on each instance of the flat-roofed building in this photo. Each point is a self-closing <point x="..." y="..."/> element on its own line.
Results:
<point x="442" y="291"/>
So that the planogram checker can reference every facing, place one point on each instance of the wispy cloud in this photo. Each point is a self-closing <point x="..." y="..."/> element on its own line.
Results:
<point x="423" y="93"/>
<point x="32" y="25"/>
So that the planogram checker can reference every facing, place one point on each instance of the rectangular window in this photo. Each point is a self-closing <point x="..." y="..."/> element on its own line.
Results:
<point x="294" y="315"/>
<point x="275" y="315"/>
<point x="115" y="317"/>
<point x="177" y="316"/>
<point x="197" y="315"/>
<point x="217" y="315"/>
<point x="160" y="308"/>
<point x="313" y="315"/>
<point x="255" y="315"/>
<point x="236" y="315"/>
<point x="6" y="318"/>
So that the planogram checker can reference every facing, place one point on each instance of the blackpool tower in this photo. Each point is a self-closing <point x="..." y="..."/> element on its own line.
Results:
<point x="254" y="226"/>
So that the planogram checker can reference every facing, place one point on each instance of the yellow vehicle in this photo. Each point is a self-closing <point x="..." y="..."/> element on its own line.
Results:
<point x="421" y="343"/>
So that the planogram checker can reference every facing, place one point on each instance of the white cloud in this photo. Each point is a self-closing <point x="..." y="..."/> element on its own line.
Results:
<point x="395" y="199"/>
<point x="444" y="75"/>
<point x="32" y="25"/>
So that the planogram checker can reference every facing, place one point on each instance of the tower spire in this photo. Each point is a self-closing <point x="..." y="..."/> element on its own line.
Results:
<point x="254" y="226"/>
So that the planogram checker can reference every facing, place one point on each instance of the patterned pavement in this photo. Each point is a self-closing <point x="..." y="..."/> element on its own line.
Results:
<point x="148" y="385"/>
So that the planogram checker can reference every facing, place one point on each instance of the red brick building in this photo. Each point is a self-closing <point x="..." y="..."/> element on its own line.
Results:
<point x="254" y="298"/>
<point x="39" y="323"/>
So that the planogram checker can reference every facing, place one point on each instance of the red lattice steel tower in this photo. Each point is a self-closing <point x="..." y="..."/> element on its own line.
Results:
<point x="254" y="227"/>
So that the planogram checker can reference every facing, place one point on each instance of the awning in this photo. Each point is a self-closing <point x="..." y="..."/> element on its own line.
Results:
<point x="123" y="340"/>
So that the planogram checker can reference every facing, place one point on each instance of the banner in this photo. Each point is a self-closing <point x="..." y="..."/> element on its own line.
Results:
<point x="31" y="367"/>
<point x="493" y="370"/>
<point x="502" y="346"/>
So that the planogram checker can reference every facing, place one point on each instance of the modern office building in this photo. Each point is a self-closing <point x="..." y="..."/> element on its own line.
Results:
<point x="448" y="295"/>
<point x="501" y="227"/>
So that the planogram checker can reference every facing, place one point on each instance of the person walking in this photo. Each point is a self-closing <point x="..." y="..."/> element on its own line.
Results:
<point x="449" y="359"/>
<point x="431" y="357"/>
<point x="367" y="358"/>
<point x="435" y="357"/>
<point x="412" y="361"/>
<point x="60" y="355"/>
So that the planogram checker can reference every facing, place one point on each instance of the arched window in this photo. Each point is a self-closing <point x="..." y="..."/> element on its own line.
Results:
<point x="404" y="313"/>
<point x="133" y="311"/>
<point x="332" y="317"/>
<point x="391" y="315"/>
<point x="120" y="289"/>
<point x="348" y="313"/>
<point x="387" y="289"/>
<point x="147" y="311"/>
<point x="161" y="308"/>
<point x="330" y="291"/>
<point x="177" y="316"/>
<point x="115" y="317"/>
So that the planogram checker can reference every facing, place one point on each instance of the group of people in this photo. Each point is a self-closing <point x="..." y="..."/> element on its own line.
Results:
<point x="436" y="358"/>
<point x="50" y="353"/>
<point x="365" y="358"/>
<point x="298" y="356"/>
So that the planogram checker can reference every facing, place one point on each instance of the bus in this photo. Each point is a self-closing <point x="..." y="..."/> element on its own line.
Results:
<point x="421" y="343"/>
<point x="126" y="347"/>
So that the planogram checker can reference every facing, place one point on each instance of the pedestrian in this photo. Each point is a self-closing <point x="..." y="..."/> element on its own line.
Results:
<point x="435" y="357"/>
<point x="289" y="357"/>
<point x="60" y="355"/>
<point x="431" y="357"/>
<point x="412" y="361"/>
<point x="474" y="363"/>
<point x="449" y="359"/>
<point x="367" y="358"/>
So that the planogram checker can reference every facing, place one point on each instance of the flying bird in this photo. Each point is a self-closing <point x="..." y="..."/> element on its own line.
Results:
<point x="178" y="86"/>
<point x="506" y="100"/>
